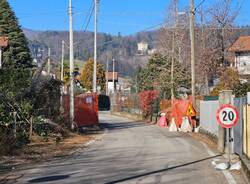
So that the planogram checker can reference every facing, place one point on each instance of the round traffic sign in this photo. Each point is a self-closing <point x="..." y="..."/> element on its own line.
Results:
<point x="227" y="116"/>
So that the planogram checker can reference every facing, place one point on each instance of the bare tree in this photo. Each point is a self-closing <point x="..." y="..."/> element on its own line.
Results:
<point x="214" y="35"/>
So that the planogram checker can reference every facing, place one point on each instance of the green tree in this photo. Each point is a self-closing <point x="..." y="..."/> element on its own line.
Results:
<point x="15" y="74"/>
<point x="17" y="53"/>
<point x="86" y="77"/>
<point x="157" y="75"/>
<point x="229" y="80"/>
<point x="241" y="89"/>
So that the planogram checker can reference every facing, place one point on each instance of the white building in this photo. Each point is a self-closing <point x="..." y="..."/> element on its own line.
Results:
<point x="142" y="47"/>
<point x="241" y="49"/>
<point x="111" y="81"/>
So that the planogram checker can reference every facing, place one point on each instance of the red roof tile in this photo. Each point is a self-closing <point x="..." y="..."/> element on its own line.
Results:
<point x="110" y="76"/>
<point x="3" y="41"/>
<point x="242" y="44"/>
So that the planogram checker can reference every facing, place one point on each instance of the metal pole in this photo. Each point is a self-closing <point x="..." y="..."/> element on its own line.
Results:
<point x="172" y="68"/>
<point x="0" y="57"/>
<point x="173" y="50"/>
<point x="48" y="62"/>
<point x="95" y="48"/>
<point x="107" y="75"/>
<point x="62" y="61"/>
<point x="192" y="38"/>
<point x="113" y="75"/>
<point x="62" y="75"/>
<point x="71" y="59"/>
<point x="229" y="146"/>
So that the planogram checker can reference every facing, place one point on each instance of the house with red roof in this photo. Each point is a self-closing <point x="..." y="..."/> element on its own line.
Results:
<point x="241" y="50"/>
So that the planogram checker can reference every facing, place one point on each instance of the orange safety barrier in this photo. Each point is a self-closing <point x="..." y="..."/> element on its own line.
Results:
<point x="179" y="109"/>
<point x="86" y="109"/>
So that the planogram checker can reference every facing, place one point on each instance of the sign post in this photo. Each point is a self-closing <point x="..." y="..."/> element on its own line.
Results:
<point x="227" y="116"/>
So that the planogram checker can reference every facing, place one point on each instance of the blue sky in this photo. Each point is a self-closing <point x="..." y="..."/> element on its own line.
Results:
<point x="125" y="16"/>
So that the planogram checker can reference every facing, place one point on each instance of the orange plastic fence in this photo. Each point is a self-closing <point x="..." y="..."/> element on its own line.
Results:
<point x="179" y="109"/>
<point x="86" y="109"/>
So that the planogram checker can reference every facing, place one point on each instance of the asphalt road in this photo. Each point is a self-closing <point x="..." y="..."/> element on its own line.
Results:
<point x="131" y="152"/>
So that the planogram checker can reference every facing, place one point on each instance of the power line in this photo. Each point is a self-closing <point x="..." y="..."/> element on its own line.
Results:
<point x="88" y="17"/>
<point x="197" y="7"/>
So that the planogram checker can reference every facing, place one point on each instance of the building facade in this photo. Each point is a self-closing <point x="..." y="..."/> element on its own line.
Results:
<point x="241" y="50"/>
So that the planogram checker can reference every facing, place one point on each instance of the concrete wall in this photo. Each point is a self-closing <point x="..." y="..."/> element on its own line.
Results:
<point x="208" y="116"/>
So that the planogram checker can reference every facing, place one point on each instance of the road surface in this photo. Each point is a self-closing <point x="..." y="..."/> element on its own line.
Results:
<point x="131" y="152"/>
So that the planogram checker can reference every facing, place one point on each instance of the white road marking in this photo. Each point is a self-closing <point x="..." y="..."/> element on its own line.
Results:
<point x="230" y="179"/>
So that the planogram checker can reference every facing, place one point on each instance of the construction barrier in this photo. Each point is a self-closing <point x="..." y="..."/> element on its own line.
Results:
<point x="86" y="109"/>
<point x="180" y="111"/>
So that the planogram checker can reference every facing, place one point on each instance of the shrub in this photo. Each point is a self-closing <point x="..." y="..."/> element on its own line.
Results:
<point x="147" y="99"/>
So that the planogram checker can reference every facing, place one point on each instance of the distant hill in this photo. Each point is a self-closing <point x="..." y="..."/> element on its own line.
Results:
<point x="122" y="49"/>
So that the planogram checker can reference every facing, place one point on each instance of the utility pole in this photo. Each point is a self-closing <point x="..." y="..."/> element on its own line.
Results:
<point x="173" y="49"/>
<point x="62" y="61"/>
<point x="95" y="47"/>
<point x="203" y="49"/>
<point x="192" y="37"/>
<point x="62" y="70"/>
<point x="113" y="74"/>
<point x="71" y="60"/>
<point x="107" y="75"/>
<point x="49" y="55"/>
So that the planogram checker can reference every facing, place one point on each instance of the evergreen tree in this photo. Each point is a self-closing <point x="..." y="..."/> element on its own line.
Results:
<point x="17" y="53"/>
<point x="15" y="74"/>
<point x="157" y="75"/>
<point x="17" y="64"/>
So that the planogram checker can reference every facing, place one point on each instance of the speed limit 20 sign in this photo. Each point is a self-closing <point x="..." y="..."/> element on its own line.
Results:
<point x="227" y="116"/>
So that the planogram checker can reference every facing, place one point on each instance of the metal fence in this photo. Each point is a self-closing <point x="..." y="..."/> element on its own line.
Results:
<point x="239" y="129"/>
<point x="208" y="116"/>
<point x="240" y="133"/>
<point x="125" y="103"/>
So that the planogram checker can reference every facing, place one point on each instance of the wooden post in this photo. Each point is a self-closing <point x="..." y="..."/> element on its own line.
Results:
<point x="31" y="127"/>
<point x="14" y="116"/>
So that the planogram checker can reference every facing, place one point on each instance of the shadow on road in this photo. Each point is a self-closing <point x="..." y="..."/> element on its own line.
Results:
<point x="50" y="178"/>
<point x="123" y="125"/>
<point x="161" y="170"/>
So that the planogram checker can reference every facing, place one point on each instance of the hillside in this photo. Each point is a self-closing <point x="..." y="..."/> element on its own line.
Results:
<point x="122" y="49"/>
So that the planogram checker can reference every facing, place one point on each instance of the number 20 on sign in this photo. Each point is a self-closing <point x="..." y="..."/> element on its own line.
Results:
<point x="227" y="116"/>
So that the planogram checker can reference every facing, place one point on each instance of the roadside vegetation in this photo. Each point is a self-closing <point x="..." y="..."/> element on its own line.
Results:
<point x="30" y="108"/>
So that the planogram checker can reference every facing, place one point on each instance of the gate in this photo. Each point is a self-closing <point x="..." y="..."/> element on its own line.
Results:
<point x="239" y="129"/>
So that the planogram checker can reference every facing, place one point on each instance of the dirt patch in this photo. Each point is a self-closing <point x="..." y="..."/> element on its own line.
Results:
<point x="40" y="150"/>
<point x="128" y="115"/>
<point x="205" y="139"/>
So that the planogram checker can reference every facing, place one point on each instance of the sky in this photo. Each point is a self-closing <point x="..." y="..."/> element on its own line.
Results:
<point x="124" y="16"/>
